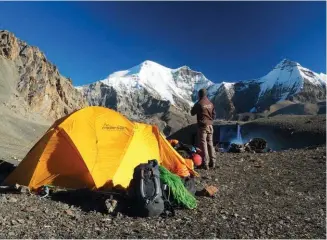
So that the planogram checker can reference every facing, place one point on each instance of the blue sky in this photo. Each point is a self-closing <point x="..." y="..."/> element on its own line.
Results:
<point x="227" y="41"/>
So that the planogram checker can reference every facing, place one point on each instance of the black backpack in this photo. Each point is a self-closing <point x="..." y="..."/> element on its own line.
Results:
<point x="145" y="190"/>
<point x="184" y="150"/>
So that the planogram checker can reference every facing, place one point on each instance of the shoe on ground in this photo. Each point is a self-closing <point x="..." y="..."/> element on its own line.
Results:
<point x="212" y="165"/>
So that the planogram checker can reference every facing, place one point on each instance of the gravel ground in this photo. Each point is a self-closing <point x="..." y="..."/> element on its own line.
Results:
<point x="271" y="195"/>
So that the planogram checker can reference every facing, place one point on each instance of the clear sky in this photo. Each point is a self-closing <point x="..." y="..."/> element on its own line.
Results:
<point x="227" y="41"/>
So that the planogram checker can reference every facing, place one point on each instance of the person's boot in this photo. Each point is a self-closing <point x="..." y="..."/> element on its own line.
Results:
<point x="205" y="166"/>
<point x="212" y="165"/>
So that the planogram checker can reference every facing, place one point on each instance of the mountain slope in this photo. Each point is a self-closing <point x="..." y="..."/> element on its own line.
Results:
<point x="287" y="81"/>
<point x="29" y="83"/>
<point x="177" y="87"/>
<point x="150" y="88"/>
<point x="149" y="91"/>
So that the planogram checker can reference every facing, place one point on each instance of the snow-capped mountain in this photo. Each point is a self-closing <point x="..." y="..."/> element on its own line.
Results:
<point x="287" y="81"/>
<point x="289" y="77"/>
<point x="148" y="88"/>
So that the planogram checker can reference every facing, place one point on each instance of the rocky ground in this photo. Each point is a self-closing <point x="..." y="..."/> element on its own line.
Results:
<point x="270" y="195"/>
<point x="288" y="131"/>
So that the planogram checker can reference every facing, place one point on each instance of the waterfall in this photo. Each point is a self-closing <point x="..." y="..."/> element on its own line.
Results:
<point x="239" y="135"/>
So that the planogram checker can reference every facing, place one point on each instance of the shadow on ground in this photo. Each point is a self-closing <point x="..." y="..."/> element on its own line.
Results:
<point x="88" y="201"/>
<point x="5" y="169"/>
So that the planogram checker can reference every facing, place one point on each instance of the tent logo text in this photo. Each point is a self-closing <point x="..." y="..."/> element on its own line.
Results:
<point x="112" y="128"/>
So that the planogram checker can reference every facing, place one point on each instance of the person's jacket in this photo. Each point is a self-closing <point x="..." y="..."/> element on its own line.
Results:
<point x="205" y="112"/>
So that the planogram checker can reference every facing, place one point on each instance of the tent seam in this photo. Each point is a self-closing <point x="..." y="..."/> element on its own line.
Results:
<point x="125" y="149"/>
<point x="70" y="142"/>
<point x="96" y="144"/>
<point x="55" y="129"/>
<point x="127" y="146"/>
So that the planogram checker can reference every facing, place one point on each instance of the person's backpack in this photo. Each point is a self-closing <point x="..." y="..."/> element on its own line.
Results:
<point x="184" y="154"/>
<point x="185" y="150"/>
<point x="145" y="190"/>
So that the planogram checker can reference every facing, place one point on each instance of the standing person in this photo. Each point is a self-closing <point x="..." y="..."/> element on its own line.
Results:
<point x="206" y="113"/>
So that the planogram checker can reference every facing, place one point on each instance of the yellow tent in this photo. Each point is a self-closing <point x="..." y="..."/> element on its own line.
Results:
<point x="95" y="147"/>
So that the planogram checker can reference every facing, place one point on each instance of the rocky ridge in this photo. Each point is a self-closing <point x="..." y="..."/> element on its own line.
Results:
<point x="148" y="92"/>
<point x="150" y="88"/>
<point x="33" y="82"/>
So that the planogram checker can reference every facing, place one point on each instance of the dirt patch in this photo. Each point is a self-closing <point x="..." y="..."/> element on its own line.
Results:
<point x="18" y="134"/>
<point x="297" y="109"/>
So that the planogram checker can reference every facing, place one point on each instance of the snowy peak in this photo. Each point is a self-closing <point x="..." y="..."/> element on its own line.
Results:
<point x="149" y="87"/>
<point x="146" y="89"/>
<point x="136" y="70"/>
<point x="288" y="78"/>
<point x="187" y="69"/>
<point x="227" y="85"/>
<point x="184" y="68"/>
<point x="305" y="73"/>
<point x="164" y="83"/>
<point x="285" y="76"/>
<point x="152" y="66"/>
<point x="286" y="63"/>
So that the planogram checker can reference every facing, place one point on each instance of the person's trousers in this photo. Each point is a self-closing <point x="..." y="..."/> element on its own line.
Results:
<point x="206" y="145"/>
